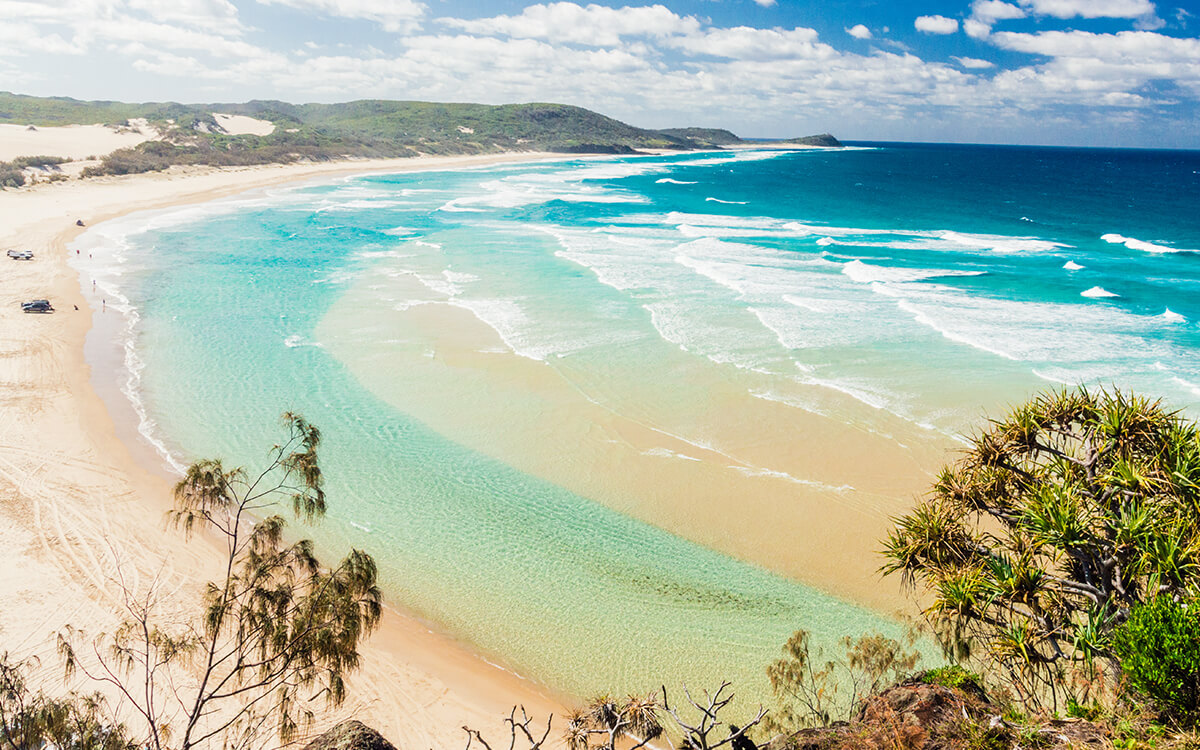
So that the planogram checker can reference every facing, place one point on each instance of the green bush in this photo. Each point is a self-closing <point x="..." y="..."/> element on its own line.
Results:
<point x="951" y="676"/>
<point x="1159" y="651"/>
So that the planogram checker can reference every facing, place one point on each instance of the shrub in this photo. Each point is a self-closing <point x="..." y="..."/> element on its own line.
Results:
<point x="951" y="676"/>
<point x="1159" y="651"/>
<point x="1057" y="521"/>
<point x="11" y="175"/>
<point x="38" y="161"/>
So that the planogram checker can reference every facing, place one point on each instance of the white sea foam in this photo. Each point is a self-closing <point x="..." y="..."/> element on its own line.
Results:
<point x="1097" y="292"/>
<point x="740" y="156"/>
<point x="755" y="471"/>
<point x="689" y="230"/>
<point x="1188" y="385"/>
<point x="1147" y="247"/>
<point x="114" y="236"/>
<point x="999" y="243"/>
<point x="1052" y="376"/>
<point x="807" y="304"/>
<point x="825" y="241"/>
<point x="1172" y="317"/>
<point x="669" y="181"/>
<point x="459" y="277"/>
<point x="296" y="340"/>
<point x="1071" y="265"/>
<point x="731" y="203"/>
<point x="865" y="273"/>
<point x="667" y="453"/>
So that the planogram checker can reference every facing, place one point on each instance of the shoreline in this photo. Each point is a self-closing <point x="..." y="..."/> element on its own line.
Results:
<point x="62" y="456"/>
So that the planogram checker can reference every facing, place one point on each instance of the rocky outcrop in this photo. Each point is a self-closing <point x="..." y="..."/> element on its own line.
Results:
<point x="916" y="715"/>
<point x="824" y="140"/>
<point x="350" y="735"/>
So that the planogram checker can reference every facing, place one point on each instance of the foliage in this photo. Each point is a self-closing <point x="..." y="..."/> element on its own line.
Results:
<point x="11" y="175"/>
<point x="22" y="162"/>
<point x="1159" y="650"/>
<point x="951" y="676"/>
<point x="277" y="631"/>
<point x="1057" y="520"/>
<point x="809" y="691"/>
<point x="32" y="720"/>
<point x="633" y="721"/>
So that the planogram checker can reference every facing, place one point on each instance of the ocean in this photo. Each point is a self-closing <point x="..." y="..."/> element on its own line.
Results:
<point x="626" y="421"/>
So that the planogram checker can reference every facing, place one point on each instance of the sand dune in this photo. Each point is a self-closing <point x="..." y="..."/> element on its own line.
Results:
<point x="70" y="141"/>
<point x="242" y="125"/>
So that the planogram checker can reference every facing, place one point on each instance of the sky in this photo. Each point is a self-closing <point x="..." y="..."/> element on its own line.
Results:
<point x="1057" y="72"/>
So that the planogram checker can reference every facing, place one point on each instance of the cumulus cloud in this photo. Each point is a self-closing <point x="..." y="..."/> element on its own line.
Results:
<point x="1090" y="8"/>
<point x="595" y="25"/>
<point x="936" y="24"/>
<point x="976" y="29"/>
<point x="392" y="15"/>
<point x="973" y="63"/>
<point x="990" y="11"/>
<point x="1108" y="70"/>
<point x="858" y="31"/>
<point x="749" y="43"/>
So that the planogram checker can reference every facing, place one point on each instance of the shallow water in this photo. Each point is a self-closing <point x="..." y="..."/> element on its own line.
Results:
<point x="491" y="352"/>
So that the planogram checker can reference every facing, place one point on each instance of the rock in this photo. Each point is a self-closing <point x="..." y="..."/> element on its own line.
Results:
<point x="350" y="735"/>
<point x="915" y="703"/>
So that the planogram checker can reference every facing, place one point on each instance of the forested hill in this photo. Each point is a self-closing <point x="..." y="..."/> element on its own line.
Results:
<point x="370" y="127"/>
<point x="191" y="134"/>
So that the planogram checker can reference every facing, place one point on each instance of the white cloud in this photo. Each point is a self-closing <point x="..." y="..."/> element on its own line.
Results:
<point x="976" y="29"/>
<point x="1091" y="8"/>
<point x="1131" y="46"/>
<point x="594" y="25"/>
<point x="749" y="43"/>
<point x="973" y="63"/>
<point x="858" y="31"/>
<point x="1109" y="70"/>
<point x="216" y="15"/>
<point x="765" y="3"/>
<point x="392" y="15"/>
<point x="990" y="11"/>
<point x="936" y="24"/>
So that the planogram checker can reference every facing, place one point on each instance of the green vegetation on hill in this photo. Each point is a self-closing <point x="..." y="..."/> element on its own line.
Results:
<point x="364" y="128"/>
<point x="704" y="137"/>
<point x="318" y="132"/>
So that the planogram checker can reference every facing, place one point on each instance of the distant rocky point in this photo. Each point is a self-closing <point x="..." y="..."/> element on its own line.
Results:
<point x="825" y="140"/>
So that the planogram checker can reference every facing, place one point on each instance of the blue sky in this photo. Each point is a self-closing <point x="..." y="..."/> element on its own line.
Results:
<point x="1075" y="72"/>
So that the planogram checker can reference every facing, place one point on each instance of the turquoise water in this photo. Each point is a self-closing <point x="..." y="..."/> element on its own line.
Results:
<point x="901" y="289"/>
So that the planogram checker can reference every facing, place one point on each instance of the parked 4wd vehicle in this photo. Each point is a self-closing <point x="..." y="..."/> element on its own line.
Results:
<point x="37" y="306"/>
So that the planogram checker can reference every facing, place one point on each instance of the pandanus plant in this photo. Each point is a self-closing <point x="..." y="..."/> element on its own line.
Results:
<point x="1056" y="521"/>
